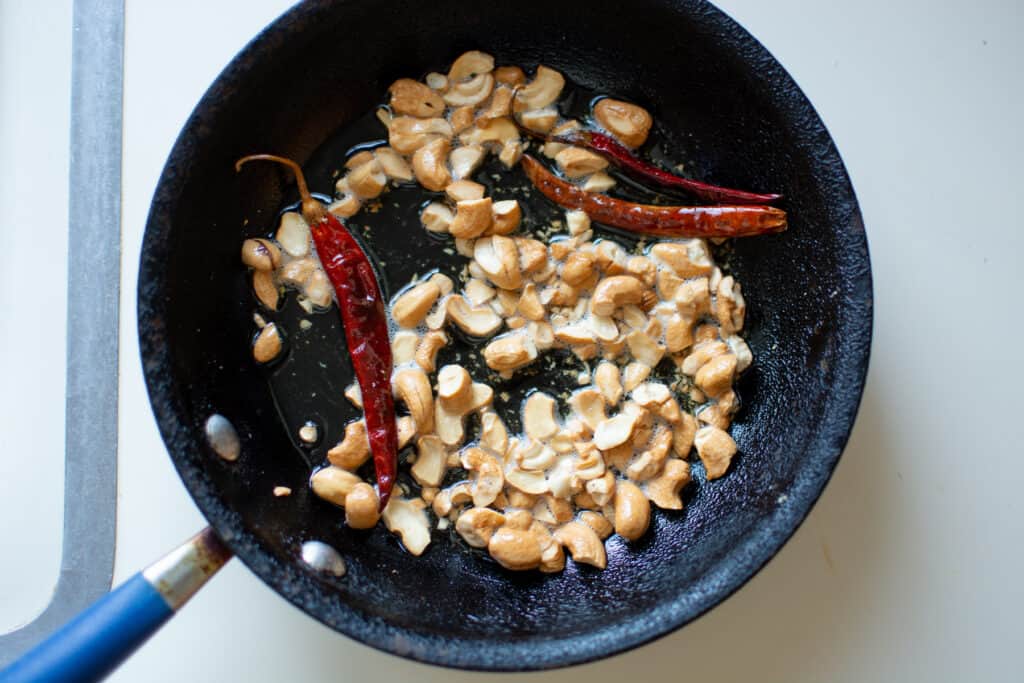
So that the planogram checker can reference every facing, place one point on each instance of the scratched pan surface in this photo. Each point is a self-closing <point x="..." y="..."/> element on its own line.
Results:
<point x="721" y="103"/>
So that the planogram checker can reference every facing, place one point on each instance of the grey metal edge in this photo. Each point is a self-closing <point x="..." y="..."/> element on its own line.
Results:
<point x="94" y="270"/>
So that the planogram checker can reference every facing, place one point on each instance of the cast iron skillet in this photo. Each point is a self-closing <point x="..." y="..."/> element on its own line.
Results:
<point x="722" y="103"/>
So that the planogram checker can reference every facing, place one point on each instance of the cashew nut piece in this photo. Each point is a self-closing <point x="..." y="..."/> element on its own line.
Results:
<point x="645" y="349"/>
<point x="426" y="352"/>
<point x="607" y="380"/>
<point x="552" y="558"/>
<point x="716" y="449"/>
<point x="333" y="484"/>
<point x="498" y="257"/>
<point x="411" y="307"/>
<point x="461" y="190"/>
<point x="688" y="259"/>
<point x="476" y="321"/>
<point x="265" y="288"/>
<point x="267" y="345"/>
<point x="530" y="306"/>
<point x="406" y="430"/>
<point x="431" y="461"/>
<point x="500" y="104"/>
<point x="393" y="164"/>
<point x="470" y="64"/>
<point x="476" y="525"/>
<point x="576" y="162"/>
<point x="539" y="416"/>
<point x="742" y="352"/>
<point x="493" y="432"/>
<point x="362" y="507"/>
<point x="409" y="97"/>
<point x="509" y="75"/>
<point x="455" y="389"/>
<point x="407" y="134"/>
<point x="505" y="216"/>
<point x="368" y="180"/>
<point x="407" y="519"/>
<point x="353" y="450"/>
<point x="730" y="307"/>
<point x="702" y="353"/>
<point x="578" y="268"/>
<point x="598" y="182"/>
<point x="651" y="460"/>
<point x="499" y="131"/>
<point x="615" y="431"/>
<point x="488" y="477"/>
<point x="437" y="217"/>
<point x="632" y="511"/>
<point x="614" y="292"/>
<point x="598" y="522"/>
<point x="293" y="234"/>
<point x="540" y="120"/>
<point x="583" y="543"/>
<point x="413" y="388"/>
<point x="715" y="377"/>
<point x="261" y="254"/>
<point x="544" y="89"/>
<point x="664" y="489"/>
<point x="472" y="218"/>
<point x="589" y="406"/>
<point x="628" y="122"/>
<point x="465" y="160"/>
<point x="428" y="163"/>
<point x="515" y="549"/>
<point x="510" y="352"/>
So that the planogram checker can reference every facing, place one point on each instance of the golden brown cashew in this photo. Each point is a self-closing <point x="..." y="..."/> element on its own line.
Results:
<point x="583" y="544"/>
<point x="362" y="508"/>
<point x="663" y="491"/>
<point x="632" y="511"/>
<point x="413" y="388"/>
<point x="353" y="450"/>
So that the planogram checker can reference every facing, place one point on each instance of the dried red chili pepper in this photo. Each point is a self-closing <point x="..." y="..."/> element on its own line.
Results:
<point x="365" y="321"/>
<point x="665" y="221"/>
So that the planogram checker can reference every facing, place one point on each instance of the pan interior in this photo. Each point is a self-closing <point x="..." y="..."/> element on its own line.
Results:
<point x="721" y="104"/>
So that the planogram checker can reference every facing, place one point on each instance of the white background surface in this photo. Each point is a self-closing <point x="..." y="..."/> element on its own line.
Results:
<point x="909" y="568"/>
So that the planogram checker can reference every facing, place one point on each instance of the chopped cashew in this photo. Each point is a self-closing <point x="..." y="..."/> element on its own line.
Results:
<point x="461" y="190"/>
<point x="472" y="217"/>
<point x="407" y="519"/>
<point x="426" y="352"/>
<point x="428" y="163"/>
<point x="352" y="451"/>
<point x="429" y="468"/>
<point x="539" y="416"/>
<point x="614" y="292"/>
<point x="543" y="90"/>
<point x="465" y="160"/>
<point x="515" y="549"/>
<point x="505" y="216"/>
<point x="437" y="217"/>
<point x="576" y="162"/>
<point x="268" y="344"/>
<point x="628" y="122"/>
<point x="486" y="471"/>
<point x="615" y="431"/>
<point x="476" y="525"/>
<point x="498" y="257"/>
<point x="716" y="449"/>
<point x="632" y="511"/>
<point x="477" y="321"/>
<point x="509" y="352"/>
<point x="362" y="507"/>
<point x="407" y="134"/>
<point x="393" y="164"/>
<point x="261" y="254"/>
<point x="409" y="97"/>
<point x="412" y="306"/>
<point x="333" y="484"/>
<point x="413" y="388"/>
<point x="663" y="490"/>
<point x="583" y="543"/>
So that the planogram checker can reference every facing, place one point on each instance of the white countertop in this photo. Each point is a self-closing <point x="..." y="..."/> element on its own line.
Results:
<point x="909" y="567"/>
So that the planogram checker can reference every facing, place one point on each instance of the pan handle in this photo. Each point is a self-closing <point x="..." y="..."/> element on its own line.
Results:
<point x="92" y="644"/>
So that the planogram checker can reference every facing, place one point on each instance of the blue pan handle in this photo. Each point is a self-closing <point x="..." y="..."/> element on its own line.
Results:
<point x="92" y="644"/>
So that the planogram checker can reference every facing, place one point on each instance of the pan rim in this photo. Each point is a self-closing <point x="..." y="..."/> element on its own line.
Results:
<point x="537" y="652"/>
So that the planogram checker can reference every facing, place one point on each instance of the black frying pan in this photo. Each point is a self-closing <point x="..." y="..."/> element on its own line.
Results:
<point x="721" y="104"/>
